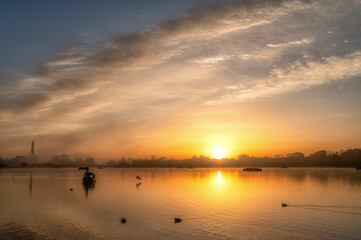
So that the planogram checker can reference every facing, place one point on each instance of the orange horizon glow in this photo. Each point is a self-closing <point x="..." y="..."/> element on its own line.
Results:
<point x="174" y="89"/>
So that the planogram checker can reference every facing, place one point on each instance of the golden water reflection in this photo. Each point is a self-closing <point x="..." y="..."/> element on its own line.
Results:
<point x="219" y="177"/>
<point x="211" y="202"/>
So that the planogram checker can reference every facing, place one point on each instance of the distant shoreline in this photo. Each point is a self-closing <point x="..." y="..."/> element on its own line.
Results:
<point x="350" y="158"/>
<point x="105" y="167"/>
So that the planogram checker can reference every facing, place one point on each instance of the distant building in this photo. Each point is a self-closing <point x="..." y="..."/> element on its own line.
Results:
<point x="62" y="159"/>
<point x="33" y="158"/>
<point x="19" y="160"/>
<point x="32" y="148"/>
<point x="23" y="160"/>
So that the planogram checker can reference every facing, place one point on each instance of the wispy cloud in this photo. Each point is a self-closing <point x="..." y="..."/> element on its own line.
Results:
<point x="210" y="54"/>
<point x="90" y="37"/>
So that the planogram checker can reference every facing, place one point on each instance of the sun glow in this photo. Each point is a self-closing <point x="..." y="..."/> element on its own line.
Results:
<point x="219" y="153"/>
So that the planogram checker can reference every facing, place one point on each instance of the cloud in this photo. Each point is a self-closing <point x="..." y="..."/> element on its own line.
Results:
<point x="209" y="54"/>
<point x="297" y="77"/>
<point x="90" y="37"/>
<point x="65" y="62"/>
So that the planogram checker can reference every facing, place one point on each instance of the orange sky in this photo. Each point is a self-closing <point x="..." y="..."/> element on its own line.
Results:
<point x="261" y="79"/>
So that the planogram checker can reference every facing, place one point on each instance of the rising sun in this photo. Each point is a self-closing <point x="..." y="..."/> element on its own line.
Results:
<point x="219" y="153"/>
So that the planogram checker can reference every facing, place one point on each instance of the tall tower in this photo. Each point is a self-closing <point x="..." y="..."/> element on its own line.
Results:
<point x="32" y="148"/>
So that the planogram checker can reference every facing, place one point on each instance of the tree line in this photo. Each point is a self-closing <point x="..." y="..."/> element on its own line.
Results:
<point x="323" y="158"/>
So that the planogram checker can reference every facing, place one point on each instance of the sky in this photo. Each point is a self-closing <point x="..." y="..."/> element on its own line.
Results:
<point x="179" y="78"/>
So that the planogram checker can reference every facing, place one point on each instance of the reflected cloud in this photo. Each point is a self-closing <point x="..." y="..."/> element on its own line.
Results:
<point x="242" y="199"/>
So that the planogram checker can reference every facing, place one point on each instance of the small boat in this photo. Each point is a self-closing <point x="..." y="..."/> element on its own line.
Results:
<point x="88" y="177"/>
<point x="252" y="169"/>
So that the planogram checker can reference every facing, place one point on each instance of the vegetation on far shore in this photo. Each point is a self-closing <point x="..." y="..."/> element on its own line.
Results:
<point x="346" y="158"/>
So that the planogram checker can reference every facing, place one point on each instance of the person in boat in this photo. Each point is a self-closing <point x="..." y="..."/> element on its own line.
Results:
<point x="88" y="177"/>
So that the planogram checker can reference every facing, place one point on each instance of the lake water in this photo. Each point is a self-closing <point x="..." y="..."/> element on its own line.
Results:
<point x="213" y="204"/>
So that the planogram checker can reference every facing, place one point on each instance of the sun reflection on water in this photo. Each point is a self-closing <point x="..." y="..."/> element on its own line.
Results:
<point x="211" y="201"/>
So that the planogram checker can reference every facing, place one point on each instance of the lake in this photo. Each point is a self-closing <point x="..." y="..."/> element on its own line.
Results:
<point x="225" y="203"/>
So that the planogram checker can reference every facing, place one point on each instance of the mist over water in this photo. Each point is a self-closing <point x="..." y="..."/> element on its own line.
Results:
<point x="213" y="203"/>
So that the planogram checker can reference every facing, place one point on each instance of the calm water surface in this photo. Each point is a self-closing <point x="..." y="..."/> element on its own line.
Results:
<point x="213" y="203"/>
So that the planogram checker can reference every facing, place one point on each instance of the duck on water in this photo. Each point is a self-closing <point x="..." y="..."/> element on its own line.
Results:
<point x="88" y="177"/>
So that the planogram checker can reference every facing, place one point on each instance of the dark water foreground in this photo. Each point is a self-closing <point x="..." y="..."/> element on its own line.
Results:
<point x="212" y="203"/>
